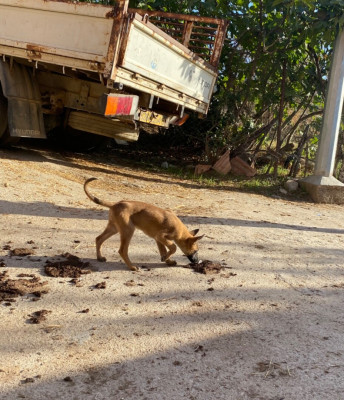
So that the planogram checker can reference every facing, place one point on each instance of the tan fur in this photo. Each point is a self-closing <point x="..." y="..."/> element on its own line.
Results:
<point x="162" y="225"/>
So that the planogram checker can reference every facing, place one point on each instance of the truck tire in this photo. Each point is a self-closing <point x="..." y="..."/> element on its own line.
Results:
<point x="83" y="141"/>
<point x="77" y="141"/>
<point x="5" y="138"/>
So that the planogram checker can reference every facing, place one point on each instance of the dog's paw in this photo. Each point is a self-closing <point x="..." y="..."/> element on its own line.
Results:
<point x="134" y="268"/>
<point x="170" y="262"/>
<point x="102" y="259"/>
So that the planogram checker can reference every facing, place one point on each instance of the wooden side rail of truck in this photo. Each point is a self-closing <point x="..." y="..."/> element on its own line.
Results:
<point x="102" y="69"/>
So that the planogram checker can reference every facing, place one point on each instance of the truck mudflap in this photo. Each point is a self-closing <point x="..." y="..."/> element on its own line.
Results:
<point x="25" y="118"/>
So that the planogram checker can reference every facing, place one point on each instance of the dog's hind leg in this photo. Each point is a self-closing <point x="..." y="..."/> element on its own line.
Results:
<point x="109" y="231"/>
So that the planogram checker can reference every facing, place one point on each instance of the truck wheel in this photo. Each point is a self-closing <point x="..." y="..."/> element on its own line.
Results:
<point x="5" y="138"/>
<point x="83" y="141"/>
<point x="77" y="141"/>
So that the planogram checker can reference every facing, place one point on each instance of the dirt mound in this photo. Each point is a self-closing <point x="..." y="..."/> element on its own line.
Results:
<point x="11" y="288"/>
<point x="70" y="267"/>
<point x="206" y="267"/>
<point x="21" y="252"/>
<point x="39" y="316"/>
<point x="101" y="285"/>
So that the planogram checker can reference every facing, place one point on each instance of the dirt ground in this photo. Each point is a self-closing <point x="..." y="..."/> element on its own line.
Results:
<point x="268" y="326"/>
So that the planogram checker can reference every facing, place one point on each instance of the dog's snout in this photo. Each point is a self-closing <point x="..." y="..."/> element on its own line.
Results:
<point x="193" y="257"/>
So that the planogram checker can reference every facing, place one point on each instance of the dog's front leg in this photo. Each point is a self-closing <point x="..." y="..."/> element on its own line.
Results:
<point x="165" y="255"/>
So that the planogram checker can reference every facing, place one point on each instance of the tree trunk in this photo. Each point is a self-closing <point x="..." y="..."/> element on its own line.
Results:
<point x="280" y="116"/>
<point x="295" y="166"/>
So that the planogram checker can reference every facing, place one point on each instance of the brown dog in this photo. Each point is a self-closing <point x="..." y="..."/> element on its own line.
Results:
<point x="162" y="225"/>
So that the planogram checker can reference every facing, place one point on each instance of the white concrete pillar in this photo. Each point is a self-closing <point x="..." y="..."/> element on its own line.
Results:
<point x="326" y="153"/>
<point x="322" y="185"/>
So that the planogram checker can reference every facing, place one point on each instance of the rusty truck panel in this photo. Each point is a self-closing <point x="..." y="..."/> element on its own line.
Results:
<point x="76" y="35"/>
<point x="78" y="54"/>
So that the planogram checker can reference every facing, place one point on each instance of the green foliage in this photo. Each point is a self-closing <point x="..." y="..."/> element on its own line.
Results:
<point x="253" y="96"/>
<point x="262" y="36"/>
<point x="104" y="2"/>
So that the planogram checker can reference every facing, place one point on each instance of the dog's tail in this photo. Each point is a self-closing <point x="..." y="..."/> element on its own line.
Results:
<point x="94" y="198"/>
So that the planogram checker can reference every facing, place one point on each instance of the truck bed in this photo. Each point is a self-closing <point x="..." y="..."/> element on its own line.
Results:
<point x="117" y="46"/>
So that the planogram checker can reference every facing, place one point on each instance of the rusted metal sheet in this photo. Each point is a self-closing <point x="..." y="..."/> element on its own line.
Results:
<point x="100" y="125"/>
<point x="175" y="16"/>
<point x="116" y="37"/>
<point x="154" y="118"/>
<point x="76" y="35"/>
<point x="219" y="40"/>
<point x="25" y="118"/>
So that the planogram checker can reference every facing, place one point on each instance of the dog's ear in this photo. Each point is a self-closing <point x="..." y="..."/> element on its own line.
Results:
<point x="194" y="232"/>
<point x="195" y="238"/>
